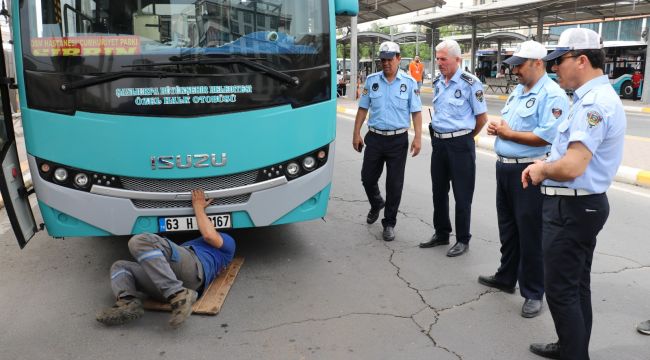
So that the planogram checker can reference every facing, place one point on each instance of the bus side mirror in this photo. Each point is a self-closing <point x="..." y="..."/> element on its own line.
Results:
<point x="346" y="7"/>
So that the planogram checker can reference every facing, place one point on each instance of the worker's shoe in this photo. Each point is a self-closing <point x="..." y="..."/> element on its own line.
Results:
<point x="122" y="312"/>
<point x="181" y="303"/>
<point x="644" y="327"/>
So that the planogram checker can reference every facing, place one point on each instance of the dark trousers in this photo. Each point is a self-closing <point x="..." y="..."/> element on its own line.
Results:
<point x="570" y="226"/>
<point x="635" y="93"/>
<point x="392" y="151"/>
<point x="519" y="212"/>
<point x="453" y="160"/>
<point x="341" y="89"/>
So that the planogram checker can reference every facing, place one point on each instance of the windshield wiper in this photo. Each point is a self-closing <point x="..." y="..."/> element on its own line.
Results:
<point x="291" y="80"/>
<point x="119" y="75"/>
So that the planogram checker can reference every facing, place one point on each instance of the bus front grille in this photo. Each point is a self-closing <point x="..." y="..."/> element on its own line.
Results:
<point x="156" y="204"/>
<point x="187" y="185"/>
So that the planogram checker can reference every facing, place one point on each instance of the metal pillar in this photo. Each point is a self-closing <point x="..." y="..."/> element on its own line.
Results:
<point x="417" y="40"/>
<point x="474" y="46"/>
<point x="540" y="27"/>
<point x="499" y="55"/>
<point x="354" y="61"/>
<point x="373" y="66"/>
<point x="645" y="92"/>
<point x="434" y="41"/>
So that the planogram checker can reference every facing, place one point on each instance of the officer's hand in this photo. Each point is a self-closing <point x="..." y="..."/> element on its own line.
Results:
<point x="357" y="142"/>
<point x="501" y="129"/>
<point x="492" y="128"/>
<point x="416" y="145"/>
<point x="534" y="174"/>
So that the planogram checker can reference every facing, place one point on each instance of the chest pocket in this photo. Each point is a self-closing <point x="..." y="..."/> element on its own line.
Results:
<point x="401" y="100"/>
<point x="456" y="107"/>
<point x="376" y="101"/>
<point x="525" y="119"/>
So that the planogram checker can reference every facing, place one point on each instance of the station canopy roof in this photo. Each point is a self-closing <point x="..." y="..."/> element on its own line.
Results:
<point x="370" y="10"/>
<point x="518" y="13"/>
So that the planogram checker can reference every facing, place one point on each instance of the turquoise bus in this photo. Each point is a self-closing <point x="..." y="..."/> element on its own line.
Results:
<point x="127" y="106"/>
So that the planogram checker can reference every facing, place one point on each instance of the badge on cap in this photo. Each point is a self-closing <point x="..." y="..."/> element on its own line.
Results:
<point x="458" y="94"/>
<point x="375" y="87"/>
<point x="479" y="95"/>
<point x="557" y="113"/>
<point x="594" y="118"/>
<point x="530" y="103"/>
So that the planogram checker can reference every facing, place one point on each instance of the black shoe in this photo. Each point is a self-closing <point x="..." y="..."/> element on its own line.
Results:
<point x="389" y="233"/>
<point x="373" y="214"/>
<point x="491" y="281"/>
<point x="435" y="241"/>
<point x="531" y="308"/>
<point x="458" y="249"/>
<point x="550" y="351"/>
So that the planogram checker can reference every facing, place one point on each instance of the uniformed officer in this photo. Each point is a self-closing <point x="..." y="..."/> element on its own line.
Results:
<point x="528" y="125"/>
<point x="460" y="114"/>
<point x="584" y="158"/>
<point x="392" y="98"/>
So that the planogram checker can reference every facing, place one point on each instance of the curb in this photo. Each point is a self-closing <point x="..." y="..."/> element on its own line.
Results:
<point x="625" y="174"/>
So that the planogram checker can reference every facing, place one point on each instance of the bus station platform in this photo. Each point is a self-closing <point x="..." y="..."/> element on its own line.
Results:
<point x="635" y="167"/>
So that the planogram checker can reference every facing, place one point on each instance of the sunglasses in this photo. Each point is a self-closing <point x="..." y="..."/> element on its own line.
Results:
<point x="561" y="59"/>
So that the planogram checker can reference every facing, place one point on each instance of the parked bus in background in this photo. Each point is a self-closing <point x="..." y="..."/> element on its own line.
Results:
<point x="127" y="106"/>
<point x="620" y="64"/>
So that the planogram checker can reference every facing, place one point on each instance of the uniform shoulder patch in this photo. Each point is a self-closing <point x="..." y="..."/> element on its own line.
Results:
<point x="479" y="95"/>
<point x="467" y="77"/>
<point x="557" y="112"/>
<point x="594" y="118"/>
<point x="365" y="91"/>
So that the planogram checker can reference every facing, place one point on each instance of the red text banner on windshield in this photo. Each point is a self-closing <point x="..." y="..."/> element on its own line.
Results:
<point x="86" y="45"/>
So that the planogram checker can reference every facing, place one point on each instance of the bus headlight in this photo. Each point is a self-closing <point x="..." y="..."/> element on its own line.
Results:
<point x="81" y="180"/>
<point x="61" y="174"/>
<point x="309" y="163"/>
<point x="292" y="169"/>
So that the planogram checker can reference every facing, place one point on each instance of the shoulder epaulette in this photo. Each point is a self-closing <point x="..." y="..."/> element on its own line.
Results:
<point x="467" y="77"/>
<point x="373" y="74"/>
<point x="437" y="78"/>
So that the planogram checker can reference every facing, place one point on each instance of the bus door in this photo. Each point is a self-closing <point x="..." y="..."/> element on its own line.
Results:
<point x="12" y="188"/>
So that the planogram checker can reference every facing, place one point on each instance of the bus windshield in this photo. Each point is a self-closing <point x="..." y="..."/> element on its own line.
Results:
<point x="68" y="41"/>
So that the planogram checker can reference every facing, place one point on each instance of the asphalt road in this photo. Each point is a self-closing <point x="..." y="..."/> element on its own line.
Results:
<point x="330" y="289"/>
<point x="638" y="124"/>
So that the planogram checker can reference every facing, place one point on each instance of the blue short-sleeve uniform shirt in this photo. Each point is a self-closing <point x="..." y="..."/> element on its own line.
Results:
<point x="539" y="111"/>
<point x="390" y="104"/>
<point x="457" y="103"/>
<point x="597" y="120"/>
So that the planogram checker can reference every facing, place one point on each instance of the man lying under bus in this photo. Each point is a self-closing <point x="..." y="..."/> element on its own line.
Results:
<point x="168" y="272"/>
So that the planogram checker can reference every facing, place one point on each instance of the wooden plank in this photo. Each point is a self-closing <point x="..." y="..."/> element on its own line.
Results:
<point x="213" y="297"/>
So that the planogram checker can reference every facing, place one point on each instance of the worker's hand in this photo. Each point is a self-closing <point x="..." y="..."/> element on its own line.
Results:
<point x="416" y="145"/>
<point x="534" y="174"/>
<point x="357" y="142"/>
<point x="199" y="202"/>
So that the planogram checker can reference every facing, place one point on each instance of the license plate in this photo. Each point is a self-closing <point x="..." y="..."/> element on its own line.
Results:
<point x="166" y="224"/>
